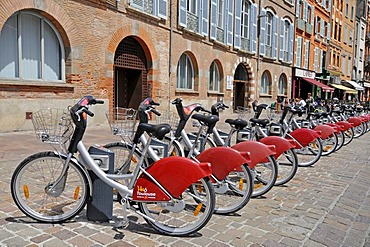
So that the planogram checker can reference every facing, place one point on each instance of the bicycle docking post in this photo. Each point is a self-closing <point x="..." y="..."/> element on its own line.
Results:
<point x="100" y="205"/>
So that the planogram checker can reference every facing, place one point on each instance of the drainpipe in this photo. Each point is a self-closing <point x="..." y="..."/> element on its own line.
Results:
<point x="170" y="58"/>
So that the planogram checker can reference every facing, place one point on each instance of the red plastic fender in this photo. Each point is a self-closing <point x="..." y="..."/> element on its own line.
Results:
<point x="223" y="160"/>
<point x="346" y="125"/>
<point x="304" y="136"/>
<point x="258" y="151"/>
<point x="281" y="144"/>
<point x="338" y="128"/>
<point x="356" y="121"/>
<point x="325" y="130"/>
<point x="174" y="173"/>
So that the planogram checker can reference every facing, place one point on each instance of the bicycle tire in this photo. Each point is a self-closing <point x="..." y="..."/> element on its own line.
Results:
<point x="341" y="139"/>
<point x="239" y="186"/>
<point x="265" y="175"/>
<point x="121" y="152"/>
<point x="329" y="145"/>
<point x="358" y="131"/>
<point x="287" y="167"/>
<point x="348" y="134"/>
<point x="309" y="155"/>
<point x="193" y="216"/>
<point x="174" y="147"/>
<point x="34" y="174"/>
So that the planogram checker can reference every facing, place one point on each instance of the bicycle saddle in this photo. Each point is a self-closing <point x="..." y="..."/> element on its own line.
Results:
<point x="238" y="123"/>
<point x="157" y="130"/>
<point x="208" y="119"/>
<point x="261" y="122"/>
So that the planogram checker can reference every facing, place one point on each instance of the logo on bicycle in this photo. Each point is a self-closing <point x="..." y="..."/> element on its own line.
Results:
<point x="142" y="192"/>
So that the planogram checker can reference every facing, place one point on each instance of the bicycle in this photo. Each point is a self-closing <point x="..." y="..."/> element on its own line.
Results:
<point x="231" y="176"/>
<point x="54" y="186"/>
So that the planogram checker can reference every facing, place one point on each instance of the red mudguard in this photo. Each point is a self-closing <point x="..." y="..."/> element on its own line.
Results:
<point x="258" y="151"/>
<point x="338" y="128"/>
<point x="175" y="174"/>
<point x="325" y="130"/>
<point x="223" y="160"/>
<point x="304" y="136"/>
<point x="281" y="144"/>
<point x="345" y="125"/>
<point x="356" y="121"/>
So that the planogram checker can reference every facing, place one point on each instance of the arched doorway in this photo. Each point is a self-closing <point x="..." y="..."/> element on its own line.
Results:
<point x="130" y="74"/>
<point x="241" y="96"/>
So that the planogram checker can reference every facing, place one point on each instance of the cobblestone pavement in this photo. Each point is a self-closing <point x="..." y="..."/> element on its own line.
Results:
<point x="324" y="205"/>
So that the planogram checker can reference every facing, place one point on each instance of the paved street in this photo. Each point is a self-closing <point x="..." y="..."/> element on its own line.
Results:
<point x="324" y="205"/>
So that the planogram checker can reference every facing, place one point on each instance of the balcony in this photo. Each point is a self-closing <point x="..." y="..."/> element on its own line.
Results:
<point x="301" y="24"/>
<point x="245" y="44"/>
<point x="192" y="22"/>
<point x="286" y="57"/>
<point x="220" y="35"/>
<point x="309" y="28"/>
<point x="268" y="51"/>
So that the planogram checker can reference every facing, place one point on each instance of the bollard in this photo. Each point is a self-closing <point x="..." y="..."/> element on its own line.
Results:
<point x="100" y="205"/>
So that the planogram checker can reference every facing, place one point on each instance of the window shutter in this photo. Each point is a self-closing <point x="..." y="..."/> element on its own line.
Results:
<point x="183" y="13"/>
<point x="213" y="19"/>
<point x="299" y="52"/>
<point x="228" y="22"/>
<point x="345" y="35"/>
<point x="262" y="35"/>
<point x="322" y="29"/>
<point x="137" y="4"/>
<point x="320" y="60"/>
<point x="307" y="54"/>
<point x="329" y="32"/>
<point x="305" y="11"/>
<point x="275" y="21"/>
<point x="298" y="8"/>
<point x="290" y="45"/>
<point x="238" y="23"/>
<point x="281" y="53"/>
<point x="162" y="9"/>
<point x="203" y="16"/>
<point x="316" y="23"/>
<point x="254" y="28"/>
<point x="316" y="59"/>
<point x="329" y="5"/>
<point x="312" y="14"/>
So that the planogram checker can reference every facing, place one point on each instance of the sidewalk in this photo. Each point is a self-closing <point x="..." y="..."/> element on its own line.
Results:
<point x="324" y="205"/>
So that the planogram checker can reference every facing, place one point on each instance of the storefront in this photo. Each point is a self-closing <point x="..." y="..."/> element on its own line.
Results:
<point x="304" y="82"/>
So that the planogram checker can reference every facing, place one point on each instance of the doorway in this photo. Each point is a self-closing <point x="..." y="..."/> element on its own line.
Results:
<point x="239" y="92"/>
<point x="240" y="87"/>
<point x="127" y="88"/>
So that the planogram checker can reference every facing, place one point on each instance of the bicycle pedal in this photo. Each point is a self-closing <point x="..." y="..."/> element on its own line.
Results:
<point x="121" y="223"/>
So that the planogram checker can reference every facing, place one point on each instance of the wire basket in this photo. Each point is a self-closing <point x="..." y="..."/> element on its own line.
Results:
<point x="53" y="125"/>
<point x="168" y="117"/>
<point x="244" y="113"/>
<point x="122" y="121"/>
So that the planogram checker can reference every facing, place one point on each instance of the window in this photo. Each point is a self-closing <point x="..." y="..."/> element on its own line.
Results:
<point x="352" y="13"/>
<point x="286" y="35"/>
<point x="265" y="83"/>
<point x="152" y="7"/>
<point x="185" y="73"/>
<point x="282" y="85"/>
<point x="347" y="9"/>
<point x="220" y="14"/>
<point x="192" y="6"/>
<point x="31" y="49"/>
<point x="349" y="66"/>
<point x="246" y="8"/>
<point x="269" y="33"/>
<point x="214" y="78"/>
<point x="306" y="55"/>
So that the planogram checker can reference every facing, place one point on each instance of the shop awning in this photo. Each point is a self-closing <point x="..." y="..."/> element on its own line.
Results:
<point x="344" y="88"/>
<point x="355" y="85"/>
<point x="366" y="84"/>
<point x="324" y="87"/>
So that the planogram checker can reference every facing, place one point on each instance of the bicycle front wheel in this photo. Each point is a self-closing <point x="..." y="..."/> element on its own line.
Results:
<point x="187" y="215"/>
<point x="37" y="173"/>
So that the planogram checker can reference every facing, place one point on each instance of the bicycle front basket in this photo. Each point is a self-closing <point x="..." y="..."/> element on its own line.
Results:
<point x="122" y="121"/>
<point x="53" y="125"/>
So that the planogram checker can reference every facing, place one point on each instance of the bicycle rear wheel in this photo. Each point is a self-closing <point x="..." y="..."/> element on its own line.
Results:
<point x="31" y="180"/>
<point x="287" y="167"/>
<point x="310" y="154"/>
<point x="188" y="215"/>
<point x="329" y="145"/>
<point x="348" y="134"/>
<point x="235" y="191"/>
<point x="265" y="175"/>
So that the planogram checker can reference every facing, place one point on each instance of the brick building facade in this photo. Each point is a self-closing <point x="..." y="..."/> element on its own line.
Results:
<point x="127" y="50"/>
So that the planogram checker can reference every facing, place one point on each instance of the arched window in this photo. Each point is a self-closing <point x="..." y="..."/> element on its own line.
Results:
<point x="214" y="78"/>
<point x="265" y="83"/>
<point x="282" y="85"/>
<point x="31" y="48"/>
<point x="185" y="73"/>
